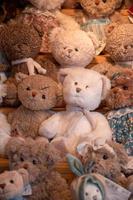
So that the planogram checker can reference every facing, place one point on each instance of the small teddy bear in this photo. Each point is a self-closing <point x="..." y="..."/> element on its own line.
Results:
<point x="39" y="158"/>
<point x="100" y="8"/>
<point x="12" y="184"/>
<point x="83" y="91"/>
<point x="38" y="94"/>
<point x="120" y="43"/>
<point x="71" y="46"/>
<point x="21" y="43"/>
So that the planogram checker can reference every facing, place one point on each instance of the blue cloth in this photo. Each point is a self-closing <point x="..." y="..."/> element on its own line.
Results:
<point x="121" y="122"/>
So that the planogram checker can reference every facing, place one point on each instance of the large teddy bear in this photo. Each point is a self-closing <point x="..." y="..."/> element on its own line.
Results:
<point x="83" y="91"/>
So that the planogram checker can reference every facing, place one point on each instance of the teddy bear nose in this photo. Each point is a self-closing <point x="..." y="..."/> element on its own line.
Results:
<point x="2" y="186"/>
<point x="78" y="90"/>
<point x="97" y="2"/>
<point x="25" y="166"/>
<point x="34" y="94"/>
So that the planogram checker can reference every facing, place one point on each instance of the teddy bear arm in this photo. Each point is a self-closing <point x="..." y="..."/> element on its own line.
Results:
<point x="49" y="127"/>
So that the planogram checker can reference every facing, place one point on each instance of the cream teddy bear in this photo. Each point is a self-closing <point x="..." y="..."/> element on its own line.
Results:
<point x="71" y="46"/>
<point x="83" y="91"/>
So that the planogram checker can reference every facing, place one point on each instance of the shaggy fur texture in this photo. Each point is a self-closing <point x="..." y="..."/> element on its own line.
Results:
<point x="120" y="42"/>
<point x="46" y="4"/>
<point x="100" y="8"/>
<point x="38" y="158"/>
<point x="38" y="94"/>
<point x="108" y="162"/>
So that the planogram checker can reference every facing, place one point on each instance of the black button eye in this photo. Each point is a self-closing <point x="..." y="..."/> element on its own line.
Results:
<point x="43" y="96"/>
<point x="34" y="162"/>
<point x="76" y="83"/>
<point x="11" y="181"/>
<point x="76" y="49"/>
<point x="104" y="1"/>
<point x="86" y="86"/>
<point x="22" y="160"/>
<point x="125" y="87"/>
<point x="28" y="88"/>
<point x="105" y="157"/>
<point x="86" y="193"/>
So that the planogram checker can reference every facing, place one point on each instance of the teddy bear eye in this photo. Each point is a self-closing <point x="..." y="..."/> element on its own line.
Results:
<point x="65" y="47"/>
<point x="11" y="181"/>
<point x="76" y="83"/>
<point x="34" y="162"/>
<point x="28" y="88"/>
<point x="86" y="86"/>
<point x="76" y="49"/>
<point x="125" y="87"/>
<point x="104" y="1"/>
<point x="22" y="160"/>
<point x="43" y="96"/>
<point x="105" y="157"/>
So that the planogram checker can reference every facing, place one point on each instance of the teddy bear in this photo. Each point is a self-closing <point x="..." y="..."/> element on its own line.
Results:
<point x="12" y="184"/>
<point x="100" y="8"/>
<point x="39" y="158"/>
<point x="71" y="46"/>
<point x="109" y="160"/>
<point x="21" y="44"/>
<point x="5" y="133"/>
<point x="119" y="102"/>
<point x="38" y="94"/>
<point x="120" y="43"/>
<point x="83" y="90"/>
<point x="46" y="4"/>
<point x="70" y="4"/>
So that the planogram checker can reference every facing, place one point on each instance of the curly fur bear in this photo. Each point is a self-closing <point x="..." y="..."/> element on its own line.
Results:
<point x="38" y="157"/>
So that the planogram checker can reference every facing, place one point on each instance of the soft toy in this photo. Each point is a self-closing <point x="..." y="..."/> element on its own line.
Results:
<point x="46" y="4"/>
<point x="38" y="94"/>
<point x="109" y="160"/>
<point x="21" y="43"/>
<point x="39" y="158"/>
<point x="70" y="4"/>
<point x="120" y="103"/>
<point x="83" y="91"/>
<point x="12" y="184"/>
<point x="100" y="8"/>
<point x="120" y="43"/>
<point x="71" y="46"/>
<point x="5" y="132"/>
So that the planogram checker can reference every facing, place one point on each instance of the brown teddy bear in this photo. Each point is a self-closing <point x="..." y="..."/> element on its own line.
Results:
<point x="109" y="160"/>
<point x="39" y="157"/>
<point x="38" y="94"/>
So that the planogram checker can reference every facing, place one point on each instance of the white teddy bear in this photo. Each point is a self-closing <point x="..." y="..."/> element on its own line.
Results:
<point x="83" y="91"/>
<point x="5" y="131"/>
<point x="71" y="46"/>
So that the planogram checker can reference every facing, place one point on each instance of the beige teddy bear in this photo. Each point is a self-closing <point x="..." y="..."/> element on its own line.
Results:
<point x="83" y="91"/>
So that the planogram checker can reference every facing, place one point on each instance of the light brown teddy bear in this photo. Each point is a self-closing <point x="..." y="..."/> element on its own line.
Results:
<point x="39" y="157"/>
<point x="38" y="94"/>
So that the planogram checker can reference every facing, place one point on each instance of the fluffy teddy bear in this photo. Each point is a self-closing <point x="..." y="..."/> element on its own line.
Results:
<point x="46" y="4"/>
<point x="12" y="184"/>
<point x="71" y="46"/>
<point x="5" y="132"/>
<point x="120" y="43"/>
<point x="100" y="8"/>
<point x="109" y="160"/>
<point x="120" y="103"/>
<point x="83" y="91"/>
<point x="21" y="43"/>
<point x="38" y="94"/>
<point x="38" y="157"/>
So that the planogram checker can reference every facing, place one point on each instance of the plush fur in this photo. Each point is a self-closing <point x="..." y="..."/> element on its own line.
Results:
<point x="39" y="158"/>
<point x="5" y="131"/>
<point x="100" y="8"/>
<point x="77" y="123"/>
<point x="38" y="94"/>
<point x="46" y="4"/>
<point x="108" y="160"/>
<point x="71" y="46"/>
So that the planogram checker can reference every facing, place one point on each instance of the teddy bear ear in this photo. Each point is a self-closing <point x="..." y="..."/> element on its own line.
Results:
<point x="63" y="73"/>
<point x="94" y="39"/>
<point x="106" y="86"/>
<point x="25" y="175"/>
<point x="20" y="77"/>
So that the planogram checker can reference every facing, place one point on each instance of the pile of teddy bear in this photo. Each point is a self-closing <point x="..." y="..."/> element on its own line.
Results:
<point x="62" y="105"/>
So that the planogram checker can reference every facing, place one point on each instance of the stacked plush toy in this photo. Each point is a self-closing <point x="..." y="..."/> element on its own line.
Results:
<point x="48" y="77"/>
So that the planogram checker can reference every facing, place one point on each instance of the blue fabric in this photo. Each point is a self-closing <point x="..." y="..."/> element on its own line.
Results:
<point x="121" y="122"/>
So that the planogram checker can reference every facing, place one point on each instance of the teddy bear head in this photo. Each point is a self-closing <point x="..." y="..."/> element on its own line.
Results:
<point x="36" y="156"/>
<point x="72" y="48"/>
<point x="83" y="87"/>
<point x="121" y="93"/>
<point x="12" y="184"/>
<point x="108" y="160"/>
<point x="100" y="8"/>
<point x="120" y="42"/>
<point x="21" y="41"/>
<point x="37" y="92"/>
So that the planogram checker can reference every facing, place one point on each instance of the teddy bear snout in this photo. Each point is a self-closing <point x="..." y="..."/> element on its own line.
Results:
<point x="2" y="186"/>
<point x="78" y="90"/>
<point x="34" y="93"/>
